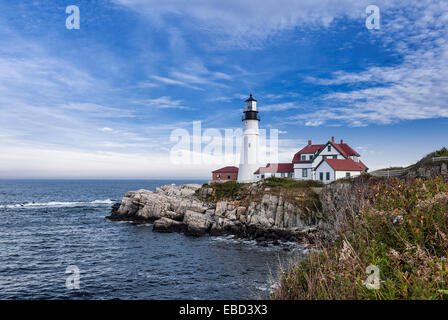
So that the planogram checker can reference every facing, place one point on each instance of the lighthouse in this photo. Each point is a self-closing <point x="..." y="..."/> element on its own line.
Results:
<point x="249" y="161"/>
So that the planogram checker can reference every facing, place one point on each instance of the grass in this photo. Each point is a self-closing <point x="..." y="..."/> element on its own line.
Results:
<point x="402" y="232"/>
<point x="291" y="183"/>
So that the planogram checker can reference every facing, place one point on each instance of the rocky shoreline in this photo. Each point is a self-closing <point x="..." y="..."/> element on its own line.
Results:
<point x="184" y="209"/>
<point x="262" y="211"/>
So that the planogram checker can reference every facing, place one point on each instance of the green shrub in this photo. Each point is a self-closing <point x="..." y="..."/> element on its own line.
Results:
<point x="226" y="190"/>
<point x="441" y="153"/>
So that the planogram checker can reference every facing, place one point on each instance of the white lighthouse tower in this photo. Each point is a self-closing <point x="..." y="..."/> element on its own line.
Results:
<point x="249" y="162"/>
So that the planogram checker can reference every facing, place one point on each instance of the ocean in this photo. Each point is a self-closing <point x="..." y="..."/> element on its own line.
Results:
<point x="49" y="225"/>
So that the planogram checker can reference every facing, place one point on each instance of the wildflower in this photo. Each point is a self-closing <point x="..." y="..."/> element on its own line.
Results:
<point x="397" y="218"/>
<point x="396" y="210"/>
<point x="417" y="230"/>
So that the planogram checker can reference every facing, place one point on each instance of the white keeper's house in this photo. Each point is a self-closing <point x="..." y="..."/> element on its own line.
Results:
<point x="324" y="162"/>
<point x="327" y="162"/>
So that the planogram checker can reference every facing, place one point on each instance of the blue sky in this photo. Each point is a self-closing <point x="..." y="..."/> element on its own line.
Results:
<point x="102" y="101"/>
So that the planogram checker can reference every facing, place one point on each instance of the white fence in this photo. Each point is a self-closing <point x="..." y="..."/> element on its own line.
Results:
<point x="439" y="159"/>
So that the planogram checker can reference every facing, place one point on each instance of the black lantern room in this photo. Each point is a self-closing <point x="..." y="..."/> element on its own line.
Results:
<point x="250" y="112"/>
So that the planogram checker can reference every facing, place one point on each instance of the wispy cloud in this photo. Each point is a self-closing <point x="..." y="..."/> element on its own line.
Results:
<point x="196" y="76"/>
<point x="96" y="110"/>
<point x="414" y="89"/>
<point x="249" y="23"/>
<point x="164" y="103"/>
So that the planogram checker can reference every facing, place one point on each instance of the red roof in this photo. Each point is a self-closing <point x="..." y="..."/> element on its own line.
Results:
<point x="346" y="165"/>
<point x="311" y="148"/>
<point x="276" y="167"/>
<point x="346" y="150"/>
<point x="343" y="148"/>
<point x="226" y="170"/>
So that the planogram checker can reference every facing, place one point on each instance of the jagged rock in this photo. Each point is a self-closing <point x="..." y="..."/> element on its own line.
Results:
<point x="197" y="223"/>
<point x="114" y="209"/>
<point x="231" y="215"/>
<point x="168" y="225"/>
<point x="217" y="230"/>
<point x="240" y="211"/>
<point x="221" y="207"/>
<point x="178" y="216"/>
<point x="180" y="209"/>
<point x="427" y="169"/>
<point x="205" y="193"/>
<point x="444" y="169"/>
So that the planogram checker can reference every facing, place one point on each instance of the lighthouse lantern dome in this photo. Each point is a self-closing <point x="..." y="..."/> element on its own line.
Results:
<point x="251" y="103"/>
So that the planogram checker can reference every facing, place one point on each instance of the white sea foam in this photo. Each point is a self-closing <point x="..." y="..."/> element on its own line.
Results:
<point x="144" y="225"/>
<point x="58" y="204"/>
<point x="268" y="287"/>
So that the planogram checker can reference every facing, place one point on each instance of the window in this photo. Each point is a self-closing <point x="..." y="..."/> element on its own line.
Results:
<point x="262" y="176"/>
<point x="321" y="176"/>
<point x="329" y="148"/>
<point x="283" y="174"/>
<point x="304" y="173"/>
<point x="290" y="174"/>
<point x="347" y="174"/>
<point x="328" y="175"/>
<point x="335" y="157"/>
<point x="228" y="177"/>
<point x="303" y="157"/>
<point x="311" y="157"/>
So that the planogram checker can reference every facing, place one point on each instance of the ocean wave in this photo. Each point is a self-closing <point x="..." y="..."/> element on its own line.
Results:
<point x="58" y="204"/>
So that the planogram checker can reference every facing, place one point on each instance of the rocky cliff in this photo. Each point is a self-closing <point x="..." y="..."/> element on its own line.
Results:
<point x="429" y="169"/>
<point x="254" y="211"/>
<point x="275" y="210"/>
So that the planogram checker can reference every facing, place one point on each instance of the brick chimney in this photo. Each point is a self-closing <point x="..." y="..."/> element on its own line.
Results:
<point x="309" y="142"/>
<point x="332" y="139"/>
<point x="342" y="141"/>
